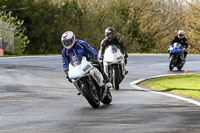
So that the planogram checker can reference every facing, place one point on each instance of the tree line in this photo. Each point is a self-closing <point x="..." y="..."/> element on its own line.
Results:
<point x="144" y="25"/>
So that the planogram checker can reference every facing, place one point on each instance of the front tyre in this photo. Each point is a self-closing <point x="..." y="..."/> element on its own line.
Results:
<point x="108" y="98"/>
<point x="115" y="78"/>
<point x="171" y="64"/>
<point x="91" y="95"/>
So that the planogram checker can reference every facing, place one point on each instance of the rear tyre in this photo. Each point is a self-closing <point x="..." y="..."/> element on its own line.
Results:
<point x="108" y="98"/>
<point x="90" y="95"/>
<point x="180" y="67"/>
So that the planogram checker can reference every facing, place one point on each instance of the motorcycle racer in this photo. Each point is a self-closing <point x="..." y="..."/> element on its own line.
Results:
<point x="78" y="47"/>
<point x="110" y="39"/>
<point x="180" y="38"/>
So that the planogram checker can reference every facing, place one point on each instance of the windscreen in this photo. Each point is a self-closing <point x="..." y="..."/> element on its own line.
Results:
<point x="114" y="49"/>
<point x="177" y="45"/>
<point x="76" y="60"/>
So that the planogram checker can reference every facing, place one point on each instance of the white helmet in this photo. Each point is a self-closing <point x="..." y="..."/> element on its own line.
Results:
<point x="181" y="34"/>
<point x="68" y="36"/>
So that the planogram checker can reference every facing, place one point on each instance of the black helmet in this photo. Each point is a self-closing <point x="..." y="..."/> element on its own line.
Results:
<point x="109" y="32"/>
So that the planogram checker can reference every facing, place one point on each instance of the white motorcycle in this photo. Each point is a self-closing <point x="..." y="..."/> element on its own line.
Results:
<point x="114" y="65"/>
<point x="89" y="81"/>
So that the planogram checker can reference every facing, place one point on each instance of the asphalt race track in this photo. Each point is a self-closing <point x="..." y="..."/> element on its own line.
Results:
<point x="35" y="97"/>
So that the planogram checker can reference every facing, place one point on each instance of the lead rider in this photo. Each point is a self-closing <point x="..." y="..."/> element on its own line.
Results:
<point x="73" y="47"/>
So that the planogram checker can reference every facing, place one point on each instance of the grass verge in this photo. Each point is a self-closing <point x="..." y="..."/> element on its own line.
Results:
<point x="187" y="85"/>
<point x="29" y="55"/>
<point x="148" y="53"/>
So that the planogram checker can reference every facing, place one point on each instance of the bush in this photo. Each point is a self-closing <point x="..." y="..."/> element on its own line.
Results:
<point x="21" y="40"/>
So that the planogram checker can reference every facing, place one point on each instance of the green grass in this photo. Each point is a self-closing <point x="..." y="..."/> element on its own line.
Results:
<point x="148" y="53"/>
<point x="158" y="53"/>
<point x="187" y="85"/>
<point x="29" y="55"/>
<point x="8" y="56"/>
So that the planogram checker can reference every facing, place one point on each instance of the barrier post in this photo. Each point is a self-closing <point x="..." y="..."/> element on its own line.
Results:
<point x="1" y="52"/>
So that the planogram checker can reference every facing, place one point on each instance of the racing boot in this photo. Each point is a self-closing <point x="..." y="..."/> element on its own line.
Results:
<point x="183" y="60"/>
<point x="107" y="80"/>
<point x="126" y="72"/>
<point x="109" y="85"/>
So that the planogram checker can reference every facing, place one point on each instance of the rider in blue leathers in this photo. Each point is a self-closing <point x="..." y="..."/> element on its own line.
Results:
<point x="77" y="47"/>
<point x="80" y="48"/>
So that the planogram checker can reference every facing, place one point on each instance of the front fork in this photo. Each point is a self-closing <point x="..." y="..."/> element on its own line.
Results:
<point x="107" y="68"/>
<point x="77" y="83"/>
<point x="101" y="91"/>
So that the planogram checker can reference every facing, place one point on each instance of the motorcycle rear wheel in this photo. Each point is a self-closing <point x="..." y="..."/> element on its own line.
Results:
<point x="180" y="67"/>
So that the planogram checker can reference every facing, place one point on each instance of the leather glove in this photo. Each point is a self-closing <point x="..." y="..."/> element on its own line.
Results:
<point x="126" y="55"/>
<point x="67" y="76"/>
<point x="185" y="49"/>
<point x="89" y="58"/>
<point x="168" y="51"/>
<point x="95" y="62"/>
<point x="100" y="59"/>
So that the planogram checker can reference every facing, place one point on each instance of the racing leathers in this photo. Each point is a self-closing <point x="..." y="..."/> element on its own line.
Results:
<point x="84" y="49"/>
<point x="183" y="42"/>
<point x="116" y="41"/>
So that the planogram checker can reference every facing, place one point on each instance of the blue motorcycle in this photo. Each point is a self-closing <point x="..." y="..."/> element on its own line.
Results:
<point x="176" y="59"/>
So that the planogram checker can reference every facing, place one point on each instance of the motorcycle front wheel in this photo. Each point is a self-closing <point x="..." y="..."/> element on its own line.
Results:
<point x="91" y="95"/>
<point x="171" y="64"/>
<point x="115" y="78"/>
